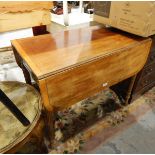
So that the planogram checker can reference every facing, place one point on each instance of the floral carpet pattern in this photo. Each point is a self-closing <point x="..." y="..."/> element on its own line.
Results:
<point x="80" y="116"/>
<point x="113" y="118"/>
<point x="84" y="113"/>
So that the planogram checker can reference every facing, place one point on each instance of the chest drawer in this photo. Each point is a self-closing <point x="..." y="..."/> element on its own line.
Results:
<point x="147" y="79"/>
<point x="137" y="94"/>
<point x="148" y="70"/>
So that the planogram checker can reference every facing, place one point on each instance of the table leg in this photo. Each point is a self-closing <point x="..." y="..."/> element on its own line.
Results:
<point x="17" y="57"/>
<point x="49" y="119"/>
<point x="130" y="89"/>
<point x="38" y="135"/>
<point x="26" y="74"/>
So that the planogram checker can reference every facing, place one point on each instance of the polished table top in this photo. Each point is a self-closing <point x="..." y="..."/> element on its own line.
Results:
<point x="52" y="53"/>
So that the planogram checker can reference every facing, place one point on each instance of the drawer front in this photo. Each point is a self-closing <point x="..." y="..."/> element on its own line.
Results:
<point x="141" y="91"/>
<point x="72" y="85"/>
<point x="146" y="80"/>
<point x="148" y="70"/>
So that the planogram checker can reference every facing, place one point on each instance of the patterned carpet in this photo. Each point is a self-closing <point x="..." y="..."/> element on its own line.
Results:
<point x="76" y="128"/>
<point x="132" y="136"/>
<point x="112" y="123"/>
<point x="76" y="125"/>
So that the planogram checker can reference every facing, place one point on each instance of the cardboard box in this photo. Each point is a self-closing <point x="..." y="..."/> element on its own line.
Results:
<point x="134" y="17"/>
<point x="18" y="15"/>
